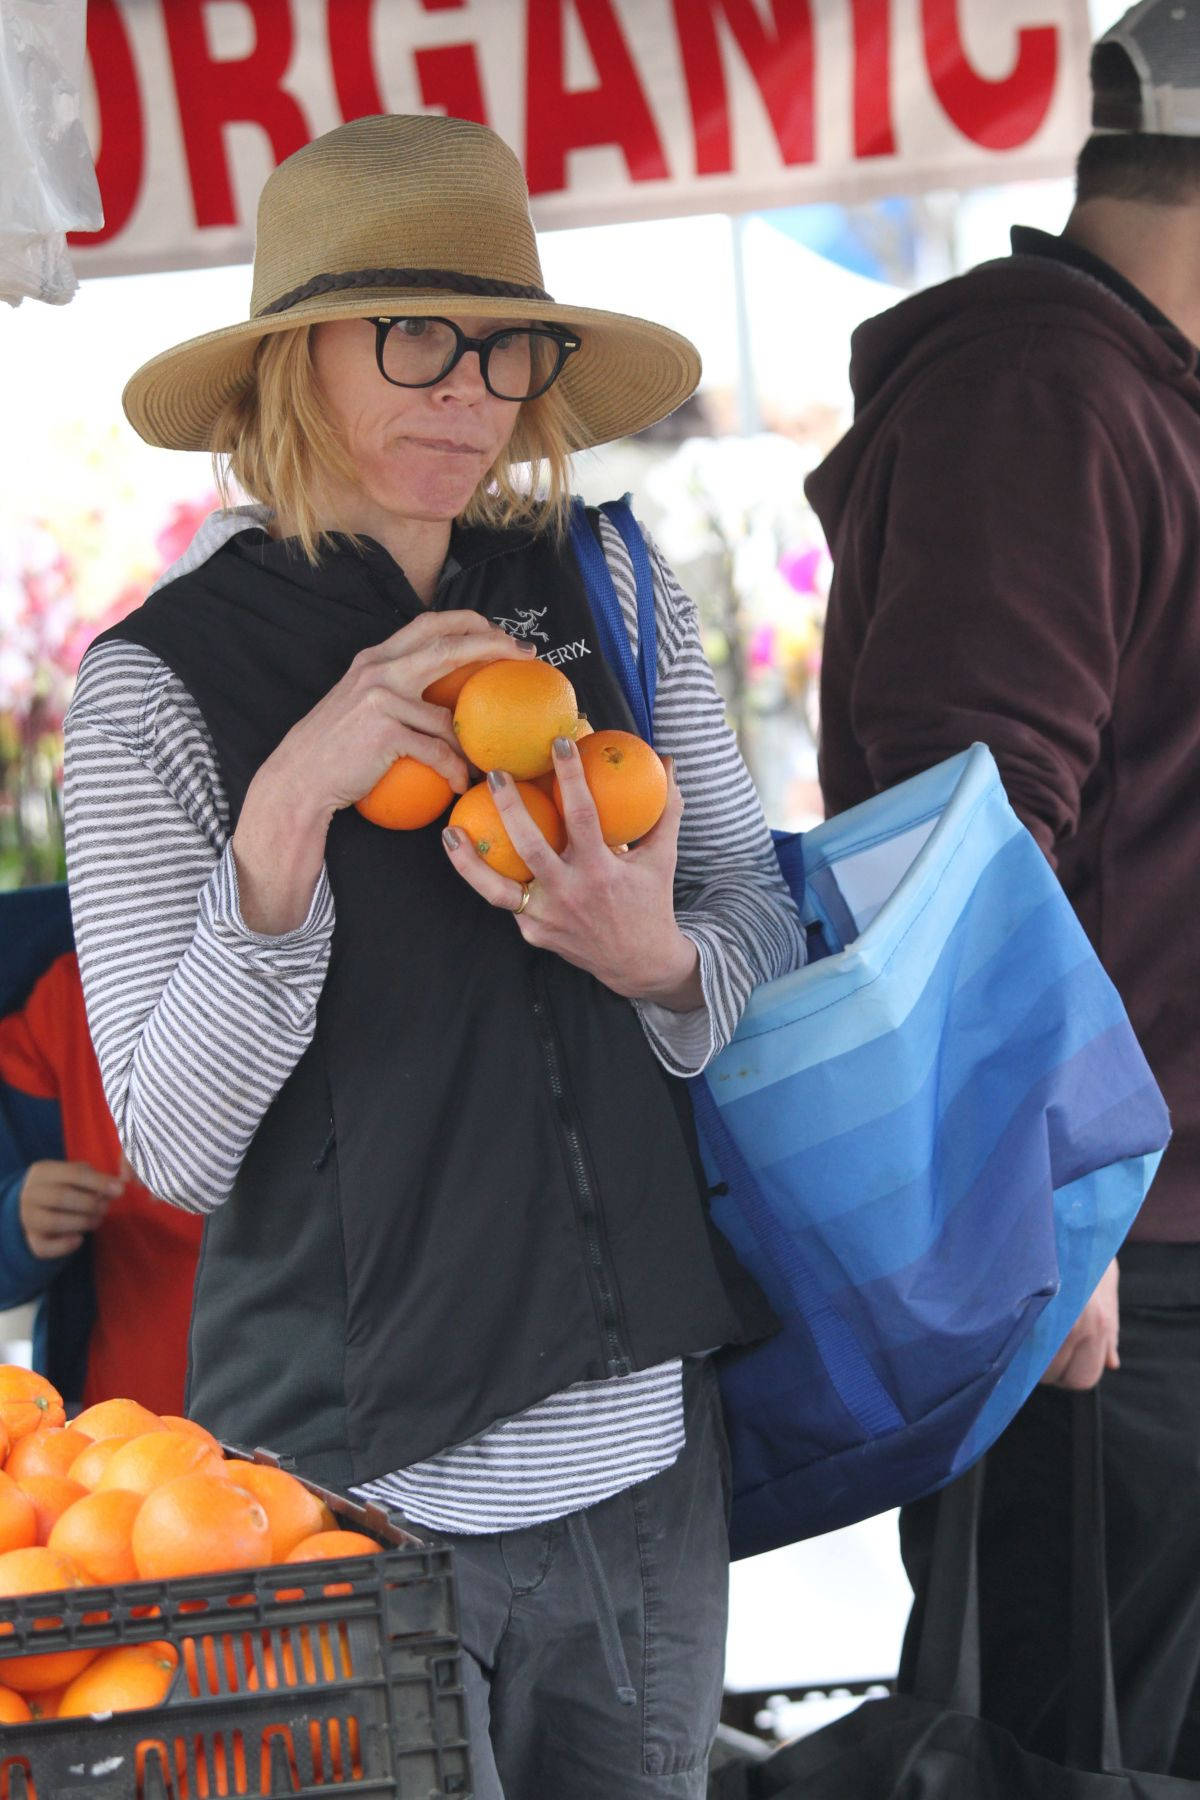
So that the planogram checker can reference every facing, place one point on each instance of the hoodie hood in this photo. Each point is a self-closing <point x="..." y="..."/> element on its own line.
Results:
<point x="1014" y="298"/>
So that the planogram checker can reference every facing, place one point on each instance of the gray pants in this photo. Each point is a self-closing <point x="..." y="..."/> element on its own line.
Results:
<point x="594" y="1646"/>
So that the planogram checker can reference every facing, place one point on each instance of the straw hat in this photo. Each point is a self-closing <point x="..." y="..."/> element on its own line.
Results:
<point x="417" y="214"/>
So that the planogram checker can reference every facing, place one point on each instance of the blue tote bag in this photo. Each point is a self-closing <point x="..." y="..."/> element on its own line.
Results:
<point x="927" y="1144"/>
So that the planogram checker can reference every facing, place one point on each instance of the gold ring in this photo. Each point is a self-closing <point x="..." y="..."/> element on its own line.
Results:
<point x="525" y="890"/>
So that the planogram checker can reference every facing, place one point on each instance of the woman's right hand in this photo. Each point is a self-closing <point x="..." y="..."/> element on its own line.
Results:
<point x="338" y="751"/>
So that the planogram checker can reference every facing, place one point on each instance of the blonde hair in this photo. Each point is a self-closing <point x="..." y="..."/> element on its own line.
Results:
<point x="279" y="444"/>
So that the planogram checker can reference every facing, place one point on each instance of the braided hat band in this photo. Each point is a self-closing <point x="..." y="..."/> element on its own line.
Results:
<point x="448" y="279"/>
<point x="411" y="213"/>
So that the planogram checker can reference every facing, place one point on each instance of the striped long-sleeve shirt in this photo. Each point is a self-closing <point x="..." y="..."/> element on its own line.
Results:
<point x="198" y="1021"/>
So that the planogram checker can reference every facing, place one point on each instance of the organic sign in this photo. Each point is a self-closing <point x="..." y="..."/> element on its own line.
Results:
<point x="619" y="109"/>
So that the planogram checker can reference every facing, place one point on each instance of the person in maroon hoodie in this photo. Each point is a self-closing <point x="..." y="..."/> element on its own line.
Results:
<point x="1015" y="523"/>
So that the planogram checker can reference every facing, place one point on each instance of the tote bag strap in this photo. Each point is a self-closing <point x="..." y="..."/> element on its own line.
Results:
<point x="947" y="1670"/>
<point x="1093" y="1731"/>
<point x="638" y="679"/>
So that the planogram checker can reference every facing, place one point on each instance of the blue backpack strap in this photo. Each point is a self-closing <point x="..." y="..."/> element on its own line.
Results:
<point x="638" y="679"/>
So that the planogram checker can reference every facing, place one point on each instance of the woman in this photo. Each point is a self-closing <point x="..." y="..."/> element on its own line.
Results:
<point x="457" y="1252"/>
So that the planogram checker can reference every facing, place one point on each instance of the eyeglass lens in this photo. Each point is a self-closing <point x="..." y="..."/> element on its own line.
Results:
<point x="516" y="364"/>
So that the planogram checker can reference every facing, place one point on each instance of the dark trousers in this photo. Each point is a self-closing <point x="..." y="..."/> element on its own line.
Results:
<point x="1151" y="1422"/>
<point x="595" y="1644"/>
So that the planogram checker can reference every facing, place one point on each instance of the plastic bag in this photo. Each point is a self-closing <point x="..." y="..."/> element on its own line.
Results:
<point x="47" y="178"/>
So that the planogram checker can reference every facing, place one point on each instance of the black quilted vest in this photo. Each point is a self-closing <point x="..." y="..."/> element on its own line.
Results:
<point x="478" y="1185"/>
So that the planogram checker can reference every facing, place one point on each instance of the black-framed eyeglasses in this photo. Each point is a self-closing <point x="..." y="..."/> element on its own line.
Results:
<point x="517" y="363"/>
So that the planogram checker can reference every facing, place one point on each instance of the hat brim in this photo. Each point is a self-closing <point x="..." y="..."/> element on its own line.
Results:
<point x="628" y="373"/>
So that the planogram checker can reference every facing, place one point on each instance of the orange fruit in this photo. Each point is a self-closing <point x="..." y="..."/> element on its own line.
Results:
<point x="199" y="1524"/>
<point x="35" y="1571"/>
<point x="116" y="1418"/>
<point x="50" y="1450"/>
<point x="626" y="779"/>
<point x="146" y="1462"/>
<point x="476" y="815"/>
<point x="446" y="689"/>
<point x="14" y="1708"/>
<point x="509" y="714"/>
<point x="293" y="1512"/>
<point x="549" y="780"/>
<point x="51" y="1496"/>
<point x="95" y="1535"/>
<point x="324" y="1544"/>
<point x="333" y="1543"/>
<point x="18" y="1516"/>
<point x="128" y="1676"/>
<point x="27" y="1401"/>
<point x="190" y="1428"/>
<point x="91" y="1463"/>
<point x="407" y="796"/>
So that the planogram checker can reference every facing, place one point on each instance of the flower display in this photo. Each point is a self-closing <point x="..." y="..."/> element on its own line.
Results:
<point x="63" y="580"/>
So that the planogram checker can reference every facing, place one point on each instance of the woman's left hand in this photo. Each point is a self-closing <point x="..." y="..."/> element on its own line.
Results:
<point x="611" y="914"/>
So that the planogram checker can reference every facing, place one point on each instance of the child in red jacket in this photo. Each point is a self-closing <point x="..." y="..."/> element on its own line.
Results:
<point x="113" y="1267"/>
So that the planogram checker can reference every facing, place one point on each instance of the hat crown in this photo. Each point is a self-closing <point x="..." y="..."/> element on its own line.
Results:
<point x="395" y="192"/>
<point x="1146" y="71"/>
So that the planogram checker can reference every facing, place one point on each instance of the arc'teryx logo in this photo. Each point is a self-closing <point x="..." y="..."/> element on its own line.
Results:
<point x="525" y="623"/>
<point x="525" y="626"/>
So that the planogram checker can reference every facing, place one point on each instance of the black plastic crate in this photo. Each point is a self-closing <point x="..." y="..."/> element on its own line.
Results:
<point x="351" y="1692"/>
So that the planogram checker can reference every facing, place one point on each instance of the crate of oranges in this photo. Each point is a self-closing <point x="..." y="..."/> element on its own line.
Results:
<point x="180" y="1620"/>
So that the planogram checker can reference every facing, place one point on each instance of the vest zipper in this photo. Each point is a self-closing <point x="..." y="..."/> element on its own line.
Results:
<point x="586" y="1206"/>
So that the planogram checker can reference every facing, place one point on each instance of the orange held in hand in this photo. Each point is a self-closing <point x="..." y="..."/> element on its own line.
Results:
<point x="446" y="689"/>
<point x="477" y="817"/>
<point x="626" y="779"/>
<point x="197" y="1525"/>
<point x="509" y="714"/>
<point x="406" y="796"/>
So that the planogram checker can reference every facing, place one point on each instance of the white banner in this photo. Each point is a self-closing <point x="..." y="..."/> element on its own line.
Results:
<point x="619" y="109"/>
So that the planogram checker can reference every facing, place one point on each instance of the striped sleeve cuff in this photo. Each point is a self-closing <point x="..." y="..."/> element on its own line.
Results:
<point x="290" y="953"/>
<point x="686" y="1042"/>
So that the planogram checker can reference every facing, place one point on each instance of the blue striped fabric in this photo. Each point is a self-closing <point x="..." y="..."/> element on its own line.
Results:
<point x="927" y="1143"/>
<point x="934" y="1141"/>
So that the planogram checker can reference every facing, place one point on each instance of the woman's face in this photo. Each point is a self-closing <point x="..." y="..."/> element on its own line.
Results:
<point x="418" y="453"/>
